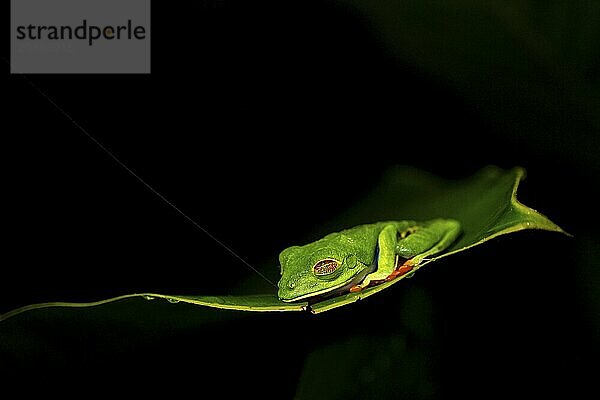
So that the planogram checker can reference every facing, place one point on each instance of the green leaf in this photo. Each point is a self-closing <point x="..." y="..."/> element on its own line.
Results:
<point x="485" y="204"/>
<point x="267" y="302"/>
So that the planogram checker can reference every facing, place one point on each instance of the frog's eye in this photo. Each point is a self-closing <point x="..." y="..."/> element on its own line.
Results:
<point x="325" y="267"/>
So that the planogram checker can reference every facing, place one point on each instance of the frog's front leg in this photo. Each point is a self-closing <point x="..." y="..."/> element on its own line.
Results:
<point x="386" y="260"/>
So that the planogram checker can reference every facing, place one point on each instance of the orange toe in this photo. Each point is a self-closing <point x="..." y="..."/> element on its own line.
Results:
<point x="402" y="270"/>
<point x="356" y="288"/>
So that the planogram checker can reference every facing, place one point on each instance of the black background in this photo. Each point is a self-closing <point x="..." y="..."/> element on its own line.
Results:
<point x="260" y="121"/>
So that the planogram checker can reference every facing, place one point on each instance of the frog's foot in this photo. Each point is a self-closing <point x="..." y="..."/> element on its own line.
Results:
<point x="356" y="288"/>
<point x="361" y="286"/>
<point x="403" y="269"/>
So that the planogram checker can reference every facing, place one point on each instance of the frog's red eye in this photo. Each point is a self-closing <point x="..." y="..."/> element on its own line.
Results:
<point x="325" y="267"/>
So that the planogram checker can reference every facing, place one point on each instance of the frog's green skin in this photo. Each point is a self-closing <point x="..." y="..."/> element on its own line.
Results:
<point x="359" y="256"/>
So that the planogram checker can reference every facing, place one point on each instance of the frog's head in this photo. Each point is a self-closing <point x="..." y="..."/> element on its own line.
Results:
<point x="320" y="268"/>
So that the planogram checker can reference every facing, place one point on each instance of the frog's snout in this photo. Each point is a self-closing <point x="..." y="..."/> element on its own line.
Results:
<point x="288" y="287"/>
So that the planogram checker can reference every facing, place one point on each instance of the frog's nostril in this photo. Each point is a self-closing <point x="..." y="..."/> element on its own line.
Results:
<point x="291" y="285"/>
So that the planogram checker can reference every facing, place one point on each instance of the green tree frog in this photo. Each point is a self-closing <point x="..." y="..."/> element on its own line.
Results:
<point x="353" y="259"/>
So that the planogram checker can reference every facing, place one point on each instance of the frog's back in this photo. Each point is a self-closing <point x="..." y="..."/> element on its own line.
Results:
<point x="363" y="238"/>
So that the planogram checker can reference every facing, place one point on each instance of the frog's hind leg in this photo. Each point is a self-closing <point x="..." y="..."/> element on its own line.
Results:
<point x="418" y="246"/>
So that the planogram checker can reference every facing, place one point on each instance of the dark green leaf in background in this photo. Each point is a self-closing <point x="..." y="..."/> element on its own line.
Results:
<point x="530" y="66"/>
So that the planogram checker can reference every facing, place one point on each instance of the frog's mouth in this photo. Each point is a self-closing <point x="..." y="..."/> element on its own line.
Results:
<point x="342" y="288"/>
